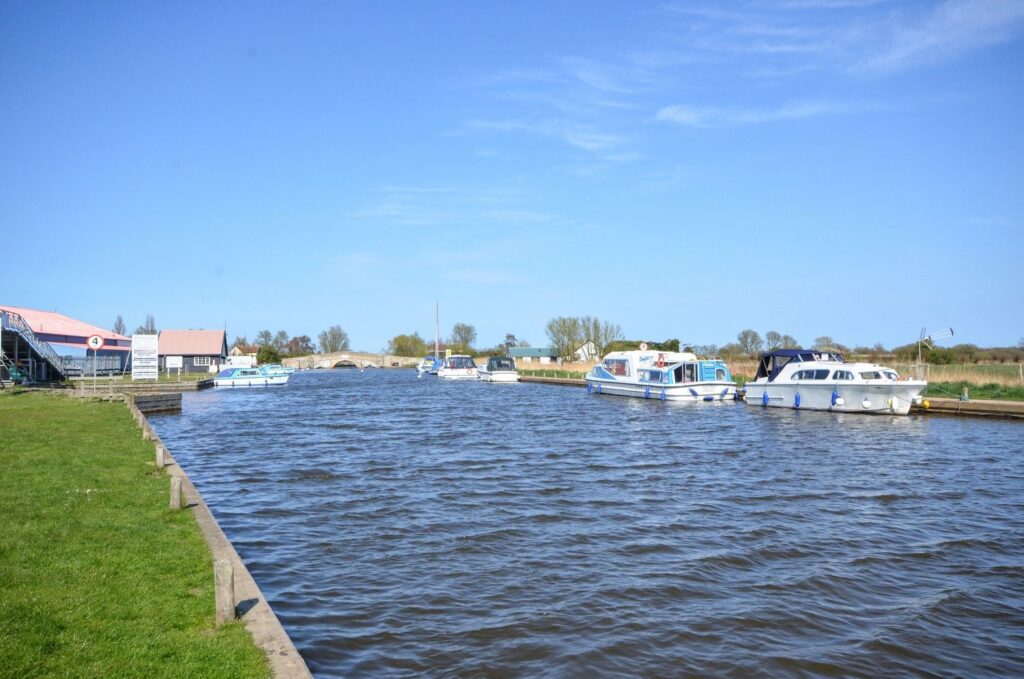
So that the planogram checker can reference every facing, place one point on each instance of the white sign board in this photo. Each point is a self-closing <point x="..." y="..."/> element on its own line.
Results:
<point x="145" y="361"/>
<point x="173" y="362"/>
<point x="95" y="342"/>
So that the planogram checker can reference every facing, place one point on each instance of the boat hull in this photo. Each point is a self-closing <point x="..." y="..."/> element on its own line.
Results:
<point x="255" y="381"/>
<point x="505" y="376"/>
<point x="888" y="398"/>
<point x="457" y="373"/>
<point x="687" y="391"/>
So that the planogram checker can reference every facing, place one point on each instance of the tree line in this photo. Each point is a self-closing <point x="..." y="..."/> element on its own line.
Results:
<point x="462" y="340"/>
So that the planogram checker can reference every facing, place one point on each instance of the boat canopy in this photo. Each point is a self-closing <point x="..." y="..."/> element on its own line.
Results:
<point x="498" y="363"/>
<point x="772" y="362"/>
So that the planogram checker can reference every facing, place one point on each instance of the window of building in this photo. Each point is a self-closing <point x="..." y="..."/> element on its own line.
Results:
<point x="201" y="360"/>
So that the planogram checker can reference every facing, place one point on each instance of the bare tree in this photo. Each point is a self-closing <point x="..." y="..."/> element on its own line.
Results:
<point x="601" y="334"/>
<point x="750" y="341"/>
<point x="119" y="328"/>
<point x="149" y="328"/>
<point x="265" y="338"/>
<point x="773" y="340"/>
<point x="280" y="340"/>
<point x="789" y="342"/>
<point x="825" y="343"/>
<point x="240" y="341"/>
<point x="333" y="339"/>
<point x="463" y="336"/>
<point x="566" y="335"/>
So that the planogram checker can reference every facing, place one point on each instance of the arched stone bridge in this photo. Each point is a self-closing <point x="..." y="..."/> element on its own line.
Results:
<point x="353" y="359"/>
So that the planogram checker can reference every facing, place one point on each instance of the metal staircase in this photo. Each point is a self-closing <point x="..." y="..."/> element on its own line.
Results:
<point x="24" y="356"/>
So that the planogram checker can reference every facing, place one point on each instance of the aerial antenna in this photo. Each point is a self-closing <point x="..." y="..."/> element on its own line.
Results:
<point x="928" y="341"/>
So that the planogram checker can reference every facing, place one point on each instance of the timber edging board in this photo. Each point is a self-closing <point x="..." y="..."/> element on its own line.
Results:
<point x="259" y="618"/>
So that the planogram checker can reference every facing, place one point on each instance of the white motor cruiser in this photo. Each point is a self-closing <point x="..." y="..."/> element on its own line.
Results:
<point x="458" y="367"/>
<point x="664" y="375"/>
<point x="499" y="369"/>
<point x="823" y="380"/>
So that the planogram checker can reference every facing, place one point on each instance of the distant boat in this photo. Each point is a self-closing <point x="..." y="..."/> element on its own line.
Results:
<point x="663" y="375"/>
<point x="823" y="380"/>
<point x="249" y="377"/>
<point x="499" y="369"/>
<point x="458" y="367"/>
<point x="426" y="365"/>
<point x="276" y="369"/>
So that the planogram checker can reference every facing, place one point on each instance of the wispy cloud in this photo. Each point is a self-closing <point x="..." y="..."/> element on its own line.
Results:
<point x="580" y="136"/>
<point x="710" y="116"/>
<point x="949" y="30"/>
<point x="449" y="206"/>
<point x="855" y="37"/>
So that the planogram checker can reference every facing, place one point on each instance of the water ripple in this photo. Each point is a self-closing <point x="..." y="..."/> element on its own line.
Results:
<point x="404" y="527"/>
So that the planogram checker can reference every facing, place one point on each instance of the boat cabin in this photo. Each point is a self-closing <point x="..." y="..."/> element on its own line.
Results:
<point x="772" y="362"/>
<point x="652" y="367"/>
<point x="459" y="362"/>
<point x="501" y="364"/>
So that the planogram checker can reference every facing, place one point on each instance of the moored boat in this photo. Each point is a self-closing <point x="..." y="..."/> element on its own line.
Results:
<point x="664" y="375"/>
<point x="427" y="365"/>
<point x="276" y="369"/>
<point x="499" y="369"/>
<point x="458" y="367"/>
<point x="823" y="380"/>
<point x="249" y="377"/>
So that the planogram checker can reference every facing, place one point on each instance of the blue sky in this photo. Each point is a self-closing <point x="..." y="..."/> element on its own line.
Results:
<point x="684" y="169"/>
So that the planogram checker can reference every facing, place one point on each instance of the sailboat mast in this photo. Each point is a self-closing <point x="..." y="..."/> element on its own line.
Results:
<point x="437" y="323"/>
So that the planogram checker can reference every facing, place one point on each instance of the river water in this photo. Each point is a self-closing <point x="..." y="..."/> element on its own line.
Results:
<point x="404" y="526"/>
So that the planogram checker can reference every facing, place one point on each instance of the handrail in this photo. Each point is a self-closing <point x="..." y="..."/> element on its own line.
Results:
<point x="10" y="320"/>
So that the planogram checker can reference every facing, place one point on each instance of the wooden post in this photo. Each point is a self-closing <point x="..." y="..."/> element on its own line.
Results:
<point x="224" y="590"/>
<point x="160" y="461"/>
<point x="175" y="492"/>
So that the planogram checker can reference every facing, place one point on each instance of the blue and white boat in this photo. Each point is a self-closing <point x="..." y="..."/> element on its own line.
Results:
<point x="276" y="369"/>
<point x="428" y="365"/>
<point x="249" y="377"/>
<point x="663" y="375"/>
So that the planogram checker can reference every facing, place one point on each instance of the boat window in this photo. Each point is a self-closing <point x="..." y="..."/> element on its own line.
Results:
<point x="653" y="376"/>
<point x="720" y="375"/>
<point x="690" y="372"/>
<point x="871" y="375"/>
<point x="250" y="372"/>
<point x="678" y="373"/>
<point x="617" y="366"/>
<point x="821" y="374"/>
<point x="889" y="374"/>
<point x="842" y="375"/>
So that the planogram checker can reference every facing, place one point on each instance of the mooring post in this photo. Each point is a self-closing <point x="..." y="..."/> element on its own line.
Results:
<point x="160" y="461"/>
<point x="175" y="492"/>
<point x="224" y="589"/>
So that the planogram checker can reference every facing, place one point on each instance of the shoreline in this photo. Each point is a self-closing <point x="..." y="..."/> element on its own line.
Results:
<point x="1013" y="410"/>
<point x="251" y="606"/>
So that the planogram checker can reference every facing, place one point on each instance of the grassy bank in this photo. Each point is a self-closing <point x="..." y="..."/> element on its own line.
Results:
<point x="999" y="392"/>
<point x="97" y="576"/>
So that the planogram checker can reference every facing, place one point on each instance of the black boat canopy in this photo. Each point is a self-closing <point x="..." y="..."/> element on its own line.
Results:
<point x="772" y="362"/>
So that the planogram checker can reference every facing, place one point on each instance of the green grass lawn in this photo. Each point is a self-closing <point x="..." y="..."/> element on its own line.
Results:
<point x="98" y="578"/>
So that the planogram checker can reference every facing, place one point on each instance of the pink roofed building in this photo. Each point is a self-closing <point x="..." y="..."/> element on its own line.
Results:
<point x="200" y="350"/>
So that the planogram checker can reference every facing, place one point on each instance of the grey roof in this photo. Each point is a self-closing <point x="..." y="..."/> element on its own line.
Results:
<point x="524" y="352"/>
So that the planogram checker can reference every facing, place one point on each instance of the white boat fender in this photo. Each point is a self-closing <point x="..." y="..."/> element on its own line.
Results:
<point x="865" y="404"/>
